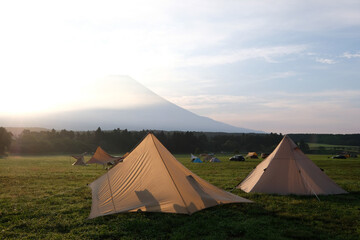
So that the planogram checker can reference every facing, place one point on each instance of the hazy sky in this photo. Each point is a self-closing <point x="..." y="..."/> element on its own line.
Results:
<point x="280" y="66"/>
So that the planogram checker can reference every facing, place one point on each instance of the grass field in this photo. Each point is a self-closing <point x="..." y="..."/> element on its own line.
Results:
<point x="45" y="197"/>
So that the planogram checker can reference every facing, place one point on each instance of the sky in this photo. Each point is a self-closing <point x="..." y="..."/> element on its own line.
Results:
<point x="275" y="66"/>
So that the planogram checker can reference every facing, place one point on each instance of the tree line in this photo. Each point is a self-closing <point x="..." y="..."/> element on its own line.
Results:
<point x="332" y="139"/>
<point x="5" y="141"/>
<point x="121" y="141"/>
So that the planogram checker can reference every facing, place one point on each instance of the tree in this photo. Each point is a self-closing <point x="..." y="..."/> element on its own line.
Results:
<point x="5" y="140"/>
<point x="304" y="146"/>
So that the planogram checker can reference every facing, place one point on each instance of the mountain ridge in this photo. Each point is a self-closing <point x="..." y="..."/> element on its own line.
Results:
<point x="147" y="111"/>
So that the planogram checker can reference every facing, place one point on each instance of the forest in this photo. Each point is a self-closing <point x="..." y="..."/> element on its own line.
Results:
<point x="121" y="141"/>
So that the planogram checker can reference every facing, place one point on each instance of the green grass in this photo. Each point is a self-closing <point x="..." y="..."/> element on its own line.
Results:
<point x="45" y="197"/>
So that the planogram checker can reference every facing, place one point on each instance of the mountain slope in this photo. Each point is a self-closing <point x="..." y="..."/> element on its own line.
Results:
<point x="126" y="104"/>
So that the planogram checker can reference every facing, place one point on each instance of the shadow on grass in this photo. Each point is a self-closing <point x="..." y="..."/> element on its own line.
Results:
<point x="230" y="221"/>
<point x="270" y="217"/>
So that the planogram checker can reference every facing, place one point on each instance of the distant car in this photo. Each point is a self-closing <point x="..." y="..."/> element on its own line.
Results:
<point x="237" y="158"/>
<point x="339" y="157"/>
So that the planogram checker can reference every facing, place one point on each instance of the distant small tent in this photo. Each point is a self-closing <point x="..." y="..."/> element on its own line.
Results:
<point x="152" y="180"/>
<point x="206" y="157"/>
<point x="214" y="159"/>
<point x="195" y="159"/>
<point x="252" y="155"/>
<point x="287" y="170"/>
<point x="79" y="160"/>
<point x="102" y="157"/>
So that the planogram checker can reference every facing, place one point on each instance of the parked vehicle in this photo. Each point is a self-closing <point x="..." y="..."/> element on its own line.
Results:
<point x="237" y="158"/>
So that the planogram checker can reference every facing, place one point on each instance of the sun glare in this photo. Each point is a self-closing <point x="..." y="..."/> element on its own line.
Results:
<point x="41" y="97"/>
<point x="24" y="97"/>
<point x="22" y="101"/>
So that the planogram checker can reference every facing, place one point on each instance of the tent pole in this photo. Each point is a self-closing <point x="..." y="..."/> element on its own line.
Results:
<point x="112" y="198"/>
<point x="315" y="194"/>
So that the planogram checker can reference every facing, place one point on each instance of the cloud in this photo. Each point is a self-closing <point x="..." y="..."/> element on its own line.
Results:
<point x="167" y="45"/>
<point x="329" y="93"/>
<point x="319" y="112"/>
<point x="208" y="101"/>
<point x="351" y="55"/>
<point x="267" y="53"/>
<point x="326" y="60"/>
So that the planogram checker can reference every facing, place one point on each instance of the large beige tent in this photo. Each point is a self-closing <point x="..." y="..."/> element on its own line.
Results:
<point x="79" y="160"/>
<point x="151" y="179"/>
<point x="102" y="157"/>
<point x="288" y="171"/>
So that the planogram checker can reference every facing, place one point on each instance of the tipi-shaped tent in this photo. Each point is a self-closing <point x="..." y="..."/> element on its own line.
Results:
<point x="79" y="160"/>
<point x="287" y="170"/>
<point x="151" y="179"/>
<point x="102" y="157"/>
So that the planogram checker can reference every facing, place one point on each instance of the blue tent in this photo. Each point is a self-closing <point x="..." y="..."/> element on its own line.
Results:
<point x="195" y="159"/>
<point x="214" y="159"/>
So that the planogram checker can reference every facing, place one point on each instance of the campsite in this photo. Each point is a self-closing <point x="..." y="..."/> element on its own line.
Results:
<point x="180" y="120"/>
<point x="46" y="197"/>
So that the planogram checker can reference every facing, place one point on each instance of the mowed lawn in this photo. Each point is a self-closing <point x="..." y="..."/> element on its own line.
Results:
<point x="45" y="197"/>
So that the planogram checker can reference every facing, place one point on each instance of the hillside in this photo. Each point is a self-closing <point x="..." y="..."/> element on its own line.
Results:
<point x="127" y="105"/>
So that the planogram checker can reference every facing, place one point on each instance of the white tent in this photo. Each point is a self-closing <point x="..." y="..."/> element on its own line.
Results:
<point x="195" y="159"/>
<point x="287" y="170"/>
<point x="151" y="179"/>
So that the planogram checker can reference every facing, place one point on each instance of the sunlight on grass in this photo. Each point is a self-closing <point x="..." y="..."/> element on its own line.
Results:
<point x="45" y="197"/>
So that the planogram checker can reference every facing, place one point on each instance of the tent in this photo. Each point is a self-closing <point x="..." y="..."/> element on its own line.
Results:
<point x="206" y="157"/>
<point x="125" y="155"/>
<point x="252" y="155"/>
<point x="79" y="160"/>
<point x="214" y="159"/>
<point x="102" y="157"/>
<point x="152" y="180"/>
<point x="119" y="159"/>
<point x="195" y="159"/>
<point x="287" y="170"/>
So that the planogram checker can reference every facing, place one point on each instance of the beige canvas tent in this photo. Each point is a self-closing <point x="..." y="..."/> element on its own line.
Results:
<point x="79" y="160"/>
<point x="288" y="171"/>
<point x="102" y="157"/>
<point x="252" y="155"/>
<point x="151" y="179"/>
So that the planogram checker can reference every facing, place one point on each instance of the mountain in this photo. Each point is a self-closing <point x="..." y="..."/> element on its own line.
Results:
<point x="121" y="102"/>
